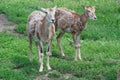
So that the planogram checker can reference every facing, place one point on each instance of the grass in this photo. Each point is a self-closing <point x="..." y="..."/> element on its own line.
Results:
<point x="100" y="59"/>
<point x="100" y="43"/>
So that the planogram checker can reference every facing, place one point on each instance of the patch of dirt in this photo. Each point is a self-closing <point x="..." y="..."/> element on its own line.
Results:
<point x="55" y="75"/>
<point x="44" y="77"/>
<point x="7" y="26"/>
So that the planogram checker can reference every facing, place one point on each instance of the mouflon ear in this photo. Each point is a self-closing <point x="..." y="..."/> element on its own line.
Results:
<point x="43" y="10"/>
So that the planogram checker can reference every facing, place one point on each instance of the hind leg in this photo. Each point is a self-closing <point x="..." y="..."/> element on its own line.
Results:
<point x="59" y="43"/>
<point x="76" y="39"/>
<point x="30" y="46"/>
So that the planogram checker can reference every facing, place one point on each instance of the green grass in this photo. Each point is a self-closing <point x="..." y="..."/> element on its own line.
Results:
<point x="100" y="43"/>
<point x="100" y="59"/>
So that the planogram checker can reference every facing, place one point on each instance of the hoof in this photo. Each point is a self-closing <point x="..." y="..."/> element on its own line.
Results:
<point x="63" y="57"/>
<point x="62" y="54"/>
<point x="80" y="59"/>
<point x="76" y="59"/>
<point x="31" y="60"/>
<point x="41" y="69"/>
<point x="49" y="68"/>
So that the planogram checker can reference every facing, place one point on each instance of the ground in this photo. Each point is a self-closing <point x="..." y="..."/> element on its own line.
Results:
<point x="3" y="23"/>
<point x="7" y="26"/>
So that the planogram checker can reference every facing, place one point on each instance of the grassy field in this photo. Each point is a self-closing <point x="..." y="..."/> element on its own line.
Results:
<point x="100" y="43"/>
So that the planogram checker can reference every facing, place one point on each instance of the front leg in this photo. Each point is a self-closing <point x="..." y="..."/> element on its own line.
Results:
<point x="48" y="53"/>
<point x="59" y="44"/>
<point x="76" y="39"/>
<point x="40" y="55"/>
